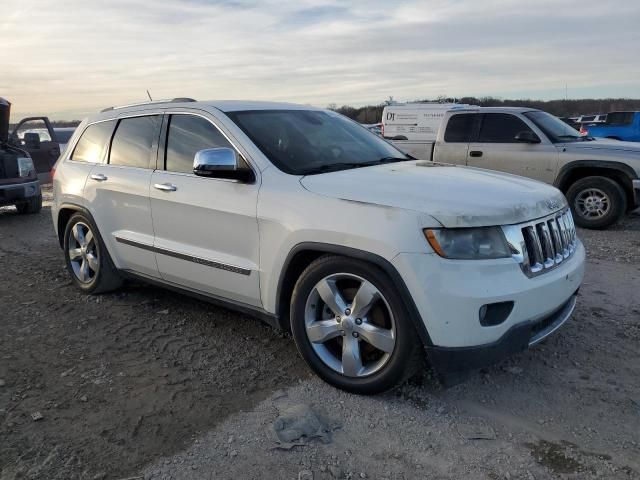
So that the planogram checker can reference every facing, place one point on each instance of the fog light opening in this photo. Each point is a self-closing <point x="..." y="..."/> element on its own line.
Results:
<point x="493" y="314"/>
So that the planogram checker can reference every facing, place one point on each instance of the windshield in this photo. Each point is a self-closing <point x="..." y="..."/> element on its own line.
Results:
<point x="302" y="142"/>
<point x="553" y="127"/>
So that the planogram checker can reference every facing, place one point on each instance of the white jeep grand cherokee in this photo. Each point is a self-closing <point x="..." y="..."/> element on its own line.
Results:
<point x="309" y="221"/>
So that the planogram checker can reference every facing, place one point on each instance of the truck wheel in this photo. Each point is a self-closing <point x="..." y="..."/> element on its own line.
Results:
<point x="351" y="326"/>
<point x="33" y="205"/>
<point x="87" y="258"/>
<point x="596" y="202"/>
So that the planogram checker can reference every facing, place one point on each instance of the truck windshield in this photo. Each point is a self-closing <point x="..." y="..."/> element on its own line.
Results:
<point x="553" y="127"/>
<point x="305" y="142"/>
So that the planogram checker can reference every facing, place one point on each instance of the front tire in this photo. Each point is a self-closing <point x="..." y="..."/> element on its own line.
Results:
<point x="596" y="202"/>
<point x="87" y="258"/>
<point x="351" y="326"/>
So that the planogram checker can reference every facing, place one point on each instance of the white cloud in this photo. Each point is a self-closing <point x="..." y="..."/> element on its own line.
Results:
<point x="69" y="58"/>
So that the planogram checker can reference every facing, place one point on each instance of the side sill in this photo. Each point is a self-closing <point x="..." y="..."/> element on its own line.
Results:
<point x="256" y="312"/>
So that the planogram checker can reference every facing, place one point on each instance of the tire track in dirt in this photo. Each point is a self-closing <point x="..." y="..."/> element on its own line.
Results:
<point x="117" y="383"/>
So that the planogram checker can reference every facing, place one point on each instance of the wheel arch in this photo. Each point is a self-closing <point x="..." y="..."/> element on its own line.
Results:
<point x="619" y="172"/>
<point x="304" y="253"/>
<point x="65" y="212"/>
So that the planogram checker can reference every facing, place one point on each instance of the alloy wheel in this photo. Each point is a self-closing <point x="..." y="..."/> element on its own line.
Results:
<point x="83" y="253"/>
<point x="592" y="203"/>
<point x="350" y="325"/>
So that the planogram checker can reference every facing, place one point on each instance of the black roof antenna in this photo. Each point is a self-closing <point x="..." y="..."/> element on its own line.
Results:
<point x="149" y="95"/>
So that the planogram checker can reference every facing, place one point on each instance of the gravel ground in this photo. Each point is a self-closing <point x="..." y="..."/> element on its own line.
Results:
<point x="145" y="383"/>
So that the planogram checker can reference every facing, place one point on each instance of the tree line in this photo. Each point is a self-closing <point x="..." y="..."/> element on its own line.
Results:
<point x="560" y="108"/>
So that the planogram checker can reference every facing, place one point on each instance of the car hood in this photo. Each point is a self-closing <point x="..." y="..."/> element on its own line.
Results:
<point x="455" y="196"/>
<point x="602" y="145"/>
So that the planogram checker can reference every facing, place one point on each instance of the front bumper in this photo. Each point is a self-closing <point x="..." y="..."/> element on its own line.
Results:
<point x="449" y="295"/>
<point x="12" y="194"/>
<point x="451" y="362"/>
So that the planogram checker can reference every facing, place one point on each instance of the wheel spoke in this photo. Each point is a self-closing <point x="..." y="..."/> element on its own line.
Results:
<point x="365" y="297"/>
<point x="351" y="360"/>
<point x="75" y="253"/>
<point x="331" y="296"/>
<point x="322" y="331"/>
<point x="380" y="338"/>
<point x="78" y="234"/>
<point x="82" y="271"/>
<point x="88" y="237"/>
<point x="92" y="262"/>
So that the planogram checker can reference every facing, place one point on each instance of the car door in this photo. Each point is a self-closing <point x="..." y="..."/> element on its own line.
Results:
<point x="43" y="148"/>
<point x="496" y="148"/>
<point x="206" y="229"/>
<point x="453" y="146"/>
<point x="117" y="193"/>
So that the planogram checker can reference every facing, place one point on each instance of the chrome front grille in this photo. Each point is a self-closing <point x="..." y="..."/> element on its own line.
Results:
<point x="541" y="245"/>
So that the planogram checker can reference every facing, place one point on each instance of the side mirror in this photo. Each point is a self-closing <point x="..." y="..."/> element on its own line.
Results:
<point x="220" y="163"/>
<point x="526" y="136"/>
<point x="32" y="140"/>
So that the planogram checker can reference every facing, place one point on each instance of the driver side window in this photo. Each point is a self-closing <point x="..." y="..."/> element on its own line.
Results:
<point x="501" y="128"/>
<point x="187" y="134"/>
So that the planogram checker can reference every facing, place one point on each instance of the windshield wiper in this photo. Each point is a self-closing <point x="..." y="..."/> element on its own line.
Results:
<point x="392" y="159"/>
<point x="332" y="167"/>
<point x="573" y="137"/>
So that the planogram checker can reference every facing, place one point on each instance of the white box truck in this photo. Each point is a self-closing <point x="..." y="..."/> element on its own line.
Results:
<point x="413" y="127"/>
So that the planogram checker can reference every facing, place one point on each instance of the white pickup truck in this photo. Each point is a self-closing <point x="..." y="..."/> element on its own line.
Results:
<point x="600" y="178"/>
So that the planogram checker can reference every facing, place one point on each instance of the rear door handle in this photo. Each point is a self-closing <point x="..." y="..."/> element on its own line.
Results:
<point x="98" y="177"/>
<point x="165" y="187"/>
<point x="475" y="153"/>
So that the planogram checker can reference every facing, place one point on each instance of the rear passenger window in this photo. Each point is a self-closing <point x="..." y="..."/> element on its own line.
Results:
<point x="187" y="135"/>
<point x="500" y="128"/>
<point x="620" y="118"/>
<point x="133" y="140"/>
<point x="93" y="142"/>
<point x="459" y="128"/>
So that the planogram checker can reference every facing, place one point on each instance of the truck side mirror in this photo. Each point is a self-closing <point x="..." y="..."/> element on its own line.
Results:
<point x="32" y="140"/>
<point x="526" y="136"/>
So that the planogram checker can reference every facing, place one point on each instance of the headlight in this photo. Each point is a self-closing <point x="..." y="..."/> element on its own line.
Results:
<point x="468" y="243"/>
<point x="25" y="167"/>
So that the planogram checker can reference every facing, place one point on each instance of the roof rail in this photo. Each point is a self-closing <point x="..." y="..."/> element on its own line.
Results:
<point x="172" y="100"/>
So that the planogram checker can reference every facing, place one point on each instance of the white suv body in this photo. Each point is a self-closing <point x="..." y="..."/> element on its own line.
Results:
<point x="302" y="250"/>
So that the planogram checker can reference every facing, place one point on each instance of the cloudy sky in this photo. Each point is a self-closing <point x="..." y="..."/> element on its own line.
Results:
<point x="68" y="58"/>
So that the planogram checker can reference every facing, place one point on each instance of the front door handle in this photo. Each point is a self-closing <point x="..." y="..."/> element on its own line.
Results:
<point x="98" y="177"/>
<point x="475" y="153"/>
<point x="165" y="187"/>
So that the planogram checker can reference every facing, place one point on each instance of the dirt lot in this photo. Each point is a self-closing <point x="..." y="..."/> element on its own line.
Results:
<point x="145" y="383"/>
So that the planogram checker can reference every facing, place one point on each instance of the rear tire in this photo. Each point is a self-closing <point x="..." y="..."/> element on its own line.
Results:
<point x="33" y="205"/>
<point x="596" y="202"/>
<point x="87" y="258"/>
<point x="367" y="351"/>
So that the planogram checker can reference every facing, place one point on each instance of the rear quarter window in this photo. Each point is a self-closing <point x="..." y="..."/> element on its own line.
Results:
<point x="92" y="145"/>
<point x="459" y="128"/>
